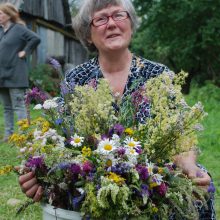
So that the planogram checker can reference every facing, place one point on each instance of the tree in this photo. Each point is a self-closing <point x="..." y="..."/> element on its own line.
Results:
<point x="183" y="34"/>
<point x="74" y="5"/>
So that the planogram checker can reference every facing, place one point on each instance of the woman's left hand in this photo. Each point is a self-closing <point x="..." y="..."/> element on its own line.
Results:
<point x="21" y="54"/>
<point x="187" y="162"/>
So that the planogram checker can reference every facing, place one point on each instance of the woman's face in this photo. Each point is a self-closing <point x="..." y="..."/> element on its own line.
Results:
<point x="4" y="18"/>
<point x="114" y="35"/>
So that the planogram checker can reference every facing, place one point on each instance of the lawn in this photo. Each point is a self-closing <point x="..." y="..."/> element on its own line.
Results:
<point x="209" y="143"/>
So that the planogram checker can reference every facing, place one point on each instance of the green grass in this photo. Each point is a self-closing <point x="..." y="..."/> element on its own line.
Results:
<point x="209" y="144"/>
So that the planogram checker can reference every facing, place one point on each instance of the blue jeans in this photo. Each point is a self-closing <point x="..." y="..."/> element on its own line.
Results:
<point x="13" y="101"/>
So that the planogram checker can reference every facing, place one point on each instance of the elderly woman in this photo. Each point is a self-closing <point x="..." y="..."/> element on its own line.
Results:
<point x="16" y="43"/>
<point x="107" y="26"/>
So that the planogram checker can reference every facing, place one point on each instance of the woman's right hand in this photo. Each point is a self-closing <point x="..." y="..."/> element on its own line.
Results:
<point x="30" y="187"/>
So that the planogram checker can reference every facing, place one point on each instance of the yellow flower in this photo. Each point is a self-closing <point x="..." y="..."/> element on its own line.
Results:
<point x="116" y="178"/>
<point x="109" y="163"/>
<point x="155" y="209"/>
<point x="129" y="131"/>
<point x="86" y="151"/>
<point x="153" y="184"/>
<point x="18" y="139"/>
<point x="6" y="169"/>
<point x="23" y="124"/>
<point x="160" y="170"/>
<point x="45" y="127"/>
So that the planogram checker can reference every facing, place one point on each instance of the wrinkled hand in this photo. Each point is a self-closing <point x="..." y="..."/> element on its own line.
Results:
<point x="21" y="54"/>
<point x="29" y="186"/>
<point x="187" y="162"/>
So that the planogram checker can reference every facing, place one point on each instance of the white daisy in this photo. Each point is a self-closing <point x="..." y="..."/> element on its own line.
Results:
<point x="131" y="152"/>
<point x="106" y="146"/>
<point x="76" y="140"/>
<point x="150" y="167"/>
<point x="131" y="143"/>
<point x="158" y="178"/>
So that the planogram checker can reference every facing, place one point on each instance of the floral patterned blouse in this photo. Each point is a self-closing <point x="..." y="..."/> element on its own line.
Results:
<point x="140" y="71"/>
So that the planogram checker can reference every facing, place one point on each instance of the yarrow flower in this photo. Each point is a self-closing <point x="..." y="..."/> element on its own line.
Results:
<point x="50" y="104"/>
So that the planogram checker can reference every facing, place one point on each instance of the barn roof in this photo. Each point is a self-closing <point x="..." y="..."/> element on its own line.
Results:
<point x="57" y="11"/>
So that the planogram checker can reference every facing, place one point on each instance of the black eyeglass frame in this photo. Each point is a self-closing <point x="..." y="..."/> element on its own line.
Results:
<point x="110" y="16"/>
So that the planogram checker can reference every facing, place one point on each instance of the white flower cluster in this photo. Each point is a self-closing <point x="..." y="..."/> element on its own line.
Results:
<point x="48" y="104"/>
<point x="51" y="135"/>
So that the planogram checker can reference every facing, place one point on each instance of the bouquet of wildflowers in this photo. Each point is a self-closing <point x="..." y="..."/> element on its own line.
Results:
<point x="105" y="164"/>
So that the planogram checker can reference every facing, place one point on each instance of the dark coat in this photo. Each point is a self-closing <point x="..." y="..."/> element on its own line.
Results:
<point x="14" y="70"/>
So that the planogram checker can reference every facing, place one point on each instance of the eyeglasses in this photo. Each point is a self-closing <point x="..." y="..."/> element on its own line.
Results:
<point x="116" y="16"/>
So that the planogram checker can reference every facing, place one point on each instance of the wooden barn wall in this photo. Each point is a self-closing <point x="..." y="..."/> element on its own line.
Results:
<point x="74" y="51"/>
<point x="56" y="44"/>
<point x="51" y="10"/>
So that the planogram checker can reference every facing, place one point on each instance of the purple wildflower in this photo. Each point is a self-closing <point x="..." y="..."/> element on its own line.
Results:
<point x="87" y="166"/>
<point x="55" y="64"/>
<point x="36" y="95"/>
<point x="138" y="97"/>
<point x="75" y="168"/>
<point x="59" y="121"/>
<point x="162" y="189"/>
<point x="145" y="190"/>
<point x="64" y="88"/>
<point x="104" y="136"/>
<point x="116" y="129"/>
<point x="138" y="149"/>
<point x="120" y="168"/>
<point x="121" y="151"/>
<point x="93" y="83"/>
<point x="143" y="172"/>
<point x="35" y="162"/>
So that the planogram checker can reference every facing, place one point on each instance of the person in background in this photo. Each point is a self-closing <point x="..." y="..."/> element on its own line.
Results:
<point x="16" y="43"/>
<point x="107" y="26"/>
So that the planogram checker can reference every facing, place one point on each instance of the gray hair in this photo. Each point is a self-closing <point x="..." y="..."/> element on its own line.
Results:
<point x="82" y="21"/>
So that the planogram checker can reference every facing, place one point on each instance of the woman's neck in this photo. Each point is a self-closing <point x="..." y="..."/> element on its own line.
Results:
<point x="6" y="25"/>
<point x="115" y="62"/>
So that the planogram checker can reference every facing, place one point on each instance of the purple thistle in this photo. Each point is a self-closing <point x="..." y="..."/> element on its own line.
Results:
<point x="87" y="166"/>
<point x="75" y="169"/>
<point x="162" y="189"/>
